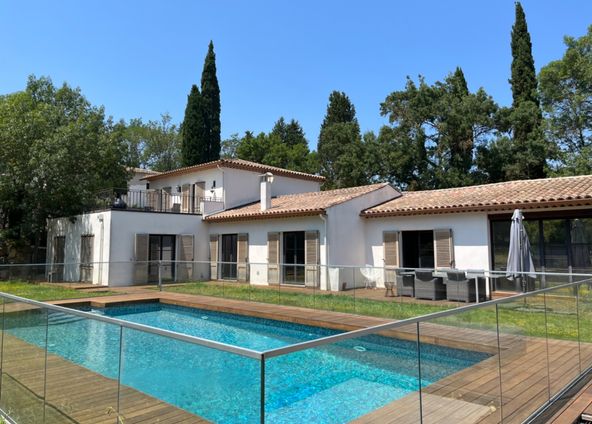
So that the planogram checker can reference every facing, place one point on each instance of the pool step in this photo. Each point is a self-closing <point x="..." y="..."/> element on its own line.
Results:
<point x="59" y="318"/>
<point x="336" y="403"/>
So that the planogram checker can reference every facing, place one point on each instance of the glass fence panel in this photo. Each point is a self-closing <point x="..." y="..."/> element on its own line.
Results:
<point x="24" y="339"/>
<point x="585" y="324"/>
<point x="523" y="357"/>
<point x="460" y="367"/>
<point x="373" y="378"/>
<point x="185" y="380"/>
<point x="563" y="337"/>
<point x="82" y="368"/>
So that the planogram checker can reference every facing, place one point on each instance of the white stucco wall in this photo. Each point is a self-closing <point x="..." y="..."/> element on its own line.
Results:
<point x="208" y="175"/>
<point x="470" y="233"/>
<point x="258" y="229"/>
<point x="236" y="186"/>
<point x="126" y="224"/>
<point x="73" y="228"/>
<point x="243" y="186"/>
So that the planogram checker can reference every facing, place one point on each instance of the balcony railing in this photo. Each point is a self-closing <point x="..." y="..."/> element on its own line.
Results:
<point x="151" y="200"/>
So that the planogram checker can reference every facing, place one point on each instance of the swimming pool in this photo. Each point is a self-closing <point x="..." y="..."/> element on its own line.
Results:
<point x="332" y="384"/>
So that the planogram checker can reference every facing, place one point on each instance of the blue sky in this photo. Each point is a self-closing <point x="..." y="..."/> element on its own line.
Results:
<point x="274" y="58"/>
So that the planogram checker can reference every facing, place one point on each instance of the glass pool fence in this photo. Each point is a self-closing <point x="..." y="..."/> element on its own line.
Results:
<point x="499" y="361"/>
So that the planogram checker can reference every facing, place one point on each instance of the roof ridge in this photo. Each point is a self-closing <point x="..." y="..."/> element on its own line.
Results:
<point x="498" y="183"/>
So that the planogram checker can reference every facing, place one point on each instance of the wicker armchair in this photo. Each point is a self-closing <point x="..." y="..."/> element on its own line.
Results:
<point x="405" y="282"/>
<point x="462" y="289"/>
<point x="429" y="287"/>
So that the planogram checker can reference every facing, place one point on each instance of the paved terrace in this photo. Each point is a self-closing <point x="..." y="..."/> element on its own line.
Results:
<point x="469" y="396"/>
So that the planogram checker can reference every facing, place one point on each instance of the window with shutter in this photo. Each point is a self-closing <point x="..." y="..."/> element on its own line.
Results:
<point x="141" y="258"/>
<point x="185" y="257"/>
<point x="243" y="257"/>
<point x="443" y="248"/>
<point x="390" y="243"/>
<point x="213" y="256"/>
<point x="273" y="255"/>
<point x="312" y="258"/>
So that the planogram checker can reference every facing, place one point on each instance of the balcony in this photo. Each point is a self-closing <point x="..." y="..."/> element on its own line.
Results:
<point x="153" y="200"/>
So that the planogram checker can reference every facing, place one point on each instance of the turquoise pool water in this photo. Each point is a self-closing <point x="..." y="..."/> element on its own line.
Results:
<point x="332" y="384"/>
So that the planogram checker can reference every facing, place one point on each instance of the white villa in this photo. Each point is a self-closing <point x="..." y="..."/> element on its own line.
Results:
<point x="245" y="221"/>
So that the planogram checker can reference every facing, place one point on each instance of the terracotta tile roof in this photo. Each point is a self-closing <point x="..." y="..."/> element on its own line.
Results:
<point x="524" y="194"/>
<point x="143" y="171"/>
<point x="238" y="164"/>
<point x="302" y="204"/>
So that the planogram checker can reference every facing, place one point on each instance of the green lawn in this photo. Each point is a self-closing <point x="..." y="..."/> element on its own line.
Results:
<point x="328" y="301"/>
<point x="45" y="292"/>
<point x="515" y="317"/>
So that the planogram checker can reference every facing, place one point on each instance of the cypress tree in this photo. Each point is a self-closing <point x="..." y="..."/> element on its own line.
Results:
<point x="523" y="81"/>
<point x="194" y="147"/>
<point x="530" y="149"/>
<point x="210" y="93"/>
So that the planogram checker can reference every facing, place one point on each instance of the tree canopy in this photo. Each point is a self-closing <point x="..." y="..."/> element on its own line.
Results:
<point x="340" y="152"/>
<point x="566" y="97"/>
<point x="57" y="150"/>
<point x="433" y="134"/>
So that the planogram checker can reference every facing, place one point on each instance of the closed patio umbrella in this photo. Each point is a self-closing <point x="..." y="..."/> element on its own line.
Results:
<point x="519" y="255"/>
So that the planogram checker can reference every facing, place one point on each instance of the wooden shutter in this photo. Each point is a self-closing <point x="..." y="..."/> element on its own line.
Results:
<point x="242" y="260"/>
<point x="59" y="256"/>
<point x="273" y="258"/>
<point x="213" y="256"/>
<point x="199" y="190"/>
<point x="312" y="258"/>
<point x="185" y="257"/>
<point x="86" y="258"/>
<point x="154" y="201"/>
<point x="185" y="201"/>
<point x="390" y="243"/>
<point x="443" y="248"/>
<point x="141" y="257"/>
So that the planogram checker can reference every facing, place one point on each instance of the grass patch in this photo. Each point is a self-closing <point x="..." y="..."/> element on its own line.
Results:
<point x="43" y="292"/>
<point x="319" y="300"/>
<point x="520" y="317"/>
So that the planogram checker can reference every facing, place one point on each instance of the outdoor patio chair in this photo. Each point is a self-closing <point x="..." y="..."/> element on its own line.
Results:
<point x="429" y="287"/>
<point x="405" y="282"/>
<point x="462" y="289"/>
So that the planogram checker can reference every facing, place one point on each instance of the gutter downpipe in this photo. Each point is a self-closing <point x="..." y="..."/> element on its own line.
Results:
<point x="324" y="219"/>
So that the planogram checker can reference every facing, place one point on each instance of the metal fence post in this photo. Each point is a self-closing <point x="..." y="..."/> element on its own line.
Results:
<point x="160" y="275"/>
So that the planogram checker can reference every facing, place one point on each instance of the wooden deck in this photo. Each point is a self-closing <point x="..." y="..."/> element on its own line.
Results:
<point x="73" y="394"/>
<point x="473" y="395"/>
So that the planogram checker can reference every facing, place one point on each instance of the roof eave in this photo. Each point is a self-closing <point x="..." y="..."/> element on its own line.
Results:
<point x="260" y="216"/>
<point x="479" y="208"/>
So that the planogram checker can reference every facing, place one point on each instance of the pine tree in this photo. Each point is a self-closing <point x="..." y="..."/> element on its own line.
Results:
<point x="210" y="93"/>
<point x="339" y="110"/>
<point x="340" y="149"/>
<point x="194" y="138"/>
<point x="530" y="149"/>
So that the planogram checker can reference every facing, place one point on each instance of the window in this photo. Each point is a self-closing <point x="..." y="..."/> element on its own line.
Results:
<point x="293" y="257"/>
<point x="557" y="244"/>
<point x="418" y="249"/>
<point x="228" y="256"/>
<point x="161" y="248"/>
